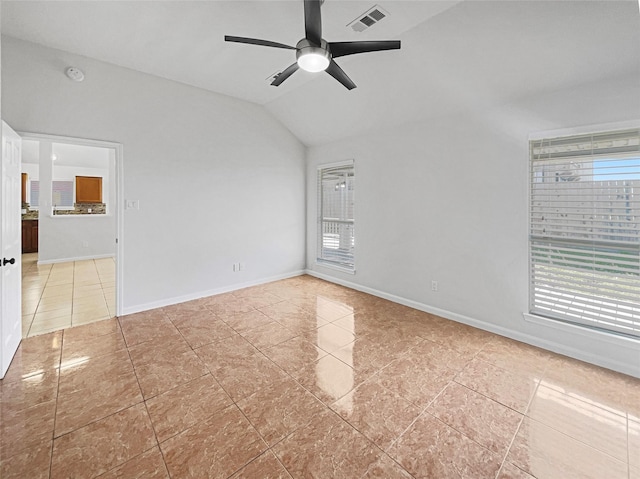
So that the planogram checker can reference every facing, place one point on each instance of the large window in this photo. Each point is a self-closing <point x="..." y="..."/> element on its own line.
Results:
<point x="336" y="240"/>
<point x="585" y="230"/>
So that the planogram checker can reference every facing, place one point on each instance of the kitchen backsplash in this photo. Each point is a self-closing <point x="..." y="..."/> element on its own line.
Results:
<point x="84" y="209"/>
<point x="79" y="209"/>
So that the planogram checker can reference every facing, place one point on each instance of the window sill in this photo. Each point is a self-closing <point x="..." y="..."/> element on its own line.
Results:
<point x="336" y="267"/>
<point x="88" y="215"/>
<point x="604" y="336"/>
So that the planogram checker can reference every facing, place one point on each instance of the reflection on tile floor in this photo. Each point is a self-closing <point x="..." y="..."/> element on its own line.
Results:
<point x="62" y="295"/>
<point x="303" y="378"/>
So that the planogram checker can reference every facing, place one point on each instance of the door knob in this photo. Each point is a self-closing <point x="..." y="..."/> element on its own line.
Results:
<point x="10" y="261"/>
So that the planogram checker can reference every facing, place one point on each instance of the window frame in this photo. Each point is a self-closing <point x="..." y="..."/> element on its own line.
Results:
<point x="320" y="219"/>
<point x="570" y="242"/>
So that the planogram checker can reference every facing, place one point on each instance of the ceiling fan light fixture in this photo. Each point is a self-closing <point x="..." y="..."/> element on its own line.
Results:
<point x="313" y="62"/>
<point x="314" y="54"/>
<point x="312" y="59"/>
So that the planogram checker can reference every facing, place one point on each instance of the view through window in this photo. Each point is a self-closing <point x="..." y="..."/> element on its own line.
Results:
<point x="336" y="240"/>
<point x="585" y="230"/>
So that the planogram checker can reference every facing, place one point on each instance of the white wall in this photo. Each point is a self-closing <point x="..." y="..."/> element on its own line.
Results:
<point x="219" y="180"/>
<point x="446" y="200"/>
<point x="75" y="237"/>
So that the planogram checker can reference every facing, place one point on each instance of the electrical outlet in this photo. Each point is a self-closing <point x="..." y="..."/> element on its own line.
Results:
<point x="242" y="266"/>
<point x="85" y="244"/>
<point x="434" y="286"/>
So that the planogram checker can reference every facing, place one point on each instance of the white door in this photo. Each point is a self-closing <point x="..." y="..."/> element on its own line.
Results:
<point x="10" y="248"/>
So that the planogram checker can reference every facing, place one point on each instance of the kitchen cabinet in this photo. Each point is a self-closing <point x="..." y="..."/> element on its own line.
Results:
<point x="88" y="189"/>
<point x="29" y="236"/>
<point x="25" y="178"/>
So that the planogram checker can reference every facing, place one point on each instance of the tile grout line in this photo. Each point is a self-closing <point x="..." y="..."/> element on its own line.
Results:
<point x="55" y="412"/>
<point x="233" y="401"/>
<point x="327" y="407"/>
<point x="628" y="445"/>
<point x="269" y="447"/>
<point x="35" y="265"/>
<point x="144" y="401"/>
<point x="72" y="304"/>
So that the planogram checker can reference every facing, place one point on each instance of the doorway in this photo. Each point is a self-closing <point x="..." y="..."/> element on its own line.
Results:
<point x="71" y="206"/>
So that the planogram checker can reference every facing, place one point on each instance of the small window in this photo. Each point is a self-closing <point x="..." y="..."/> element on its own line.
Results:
<point x="336" y="240"/>
<point x="34" y="193"/>
<point x="585" y="230"/>
<point x="62" y="194"/>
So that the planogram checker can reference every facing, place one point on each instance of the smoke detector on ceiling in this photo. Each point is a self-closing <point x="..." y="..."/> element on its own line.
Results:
<point x="368" y="19"/>
<point x="74" y="74"/>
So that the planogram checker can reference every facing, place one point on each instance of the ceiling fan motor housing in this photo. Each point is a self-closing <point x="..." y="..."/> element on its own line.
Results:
<point x="311" y="57"/>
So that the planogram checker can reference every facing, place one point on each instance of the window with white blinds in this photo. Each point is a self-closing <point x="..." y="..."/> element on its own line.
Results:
<point x="34" y="194"/>
<point x="336" y="240"/>
<point x="585" y="230"/>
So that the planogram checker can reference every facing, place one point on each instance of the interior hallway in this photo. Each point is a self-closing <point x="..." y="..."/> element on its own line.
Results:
<point x="62" y="295"/>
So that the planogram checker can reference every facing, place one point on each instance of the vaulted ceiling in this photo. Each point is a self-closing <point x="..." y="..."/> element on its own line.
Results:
<point x="456" y="55"/>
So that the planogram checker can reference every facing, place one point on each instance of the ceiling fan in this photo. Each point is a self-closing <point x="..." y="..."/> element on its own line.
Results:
<point x="313" y="53"/>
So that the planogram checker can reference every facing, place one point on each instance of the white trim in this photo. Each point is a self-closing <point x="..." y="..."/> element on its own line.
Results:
<point x="203" y="294"/>
<point x="88" y="215"/>
<point x="584" y="130"/>
<point x="342" y="269"/>
<point x="574" y="329"/>
<point x="336" y="164"/>
<point x="631" y="346"/>
<point x="585" y="302"/>
<point x="119" y="201"/>
<point x="77" y="258"/>
<point x="321" y="261"/>
<point x="119" y="213"/>
<point x="68" y="139"/>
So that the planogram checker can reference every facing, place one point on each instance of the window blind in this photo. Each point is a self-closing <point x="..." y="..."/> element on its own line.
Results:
<point x="35" y="193"/>
<point x="62" y="193"/>
<point x="585" y="230"/>
<point x="336" y="190"/>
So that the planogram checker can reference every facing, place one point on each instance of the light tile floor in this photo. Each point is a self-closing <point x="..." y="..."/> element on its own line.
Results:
<point x="302" y="378"/>
<point x="61" y="295"/>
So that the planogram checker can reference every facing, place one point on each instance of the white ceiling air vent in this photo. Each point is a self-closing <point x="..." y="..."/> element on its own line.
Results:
<point x="368" y="19"/>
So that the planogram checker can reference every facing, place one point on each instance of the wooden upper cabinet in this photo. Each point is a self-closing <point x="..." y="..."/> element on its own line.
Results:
<point x="25" y="178"/>
<point x="88" y="189"/>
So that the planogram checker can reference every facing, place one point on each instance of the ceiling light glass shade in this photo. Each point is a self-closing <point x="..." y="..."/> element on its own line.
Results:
<point x="312" y="58"/>
<point x="313" y="62"/>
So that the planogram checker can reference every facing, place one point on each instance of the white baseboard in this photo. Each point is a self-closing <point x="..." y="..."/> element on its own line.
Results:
<point x="629" y="347"/>
<point x="77" y="258"/>
<point x="203" y="294"/>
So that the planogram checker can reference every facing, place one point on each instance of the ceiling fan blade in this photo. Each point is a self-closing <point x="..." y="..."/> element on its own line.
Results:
<point x="313" y="21"/>
<point x="340" y="49"/>
<point x="255" y="41"/>
<point x="338" y="73"/>
<point x="290" y="70"/>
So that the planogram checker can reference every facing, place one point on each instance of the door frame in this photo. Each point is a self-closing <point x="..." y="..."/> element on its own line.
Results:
<point x="118" y="210"/>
